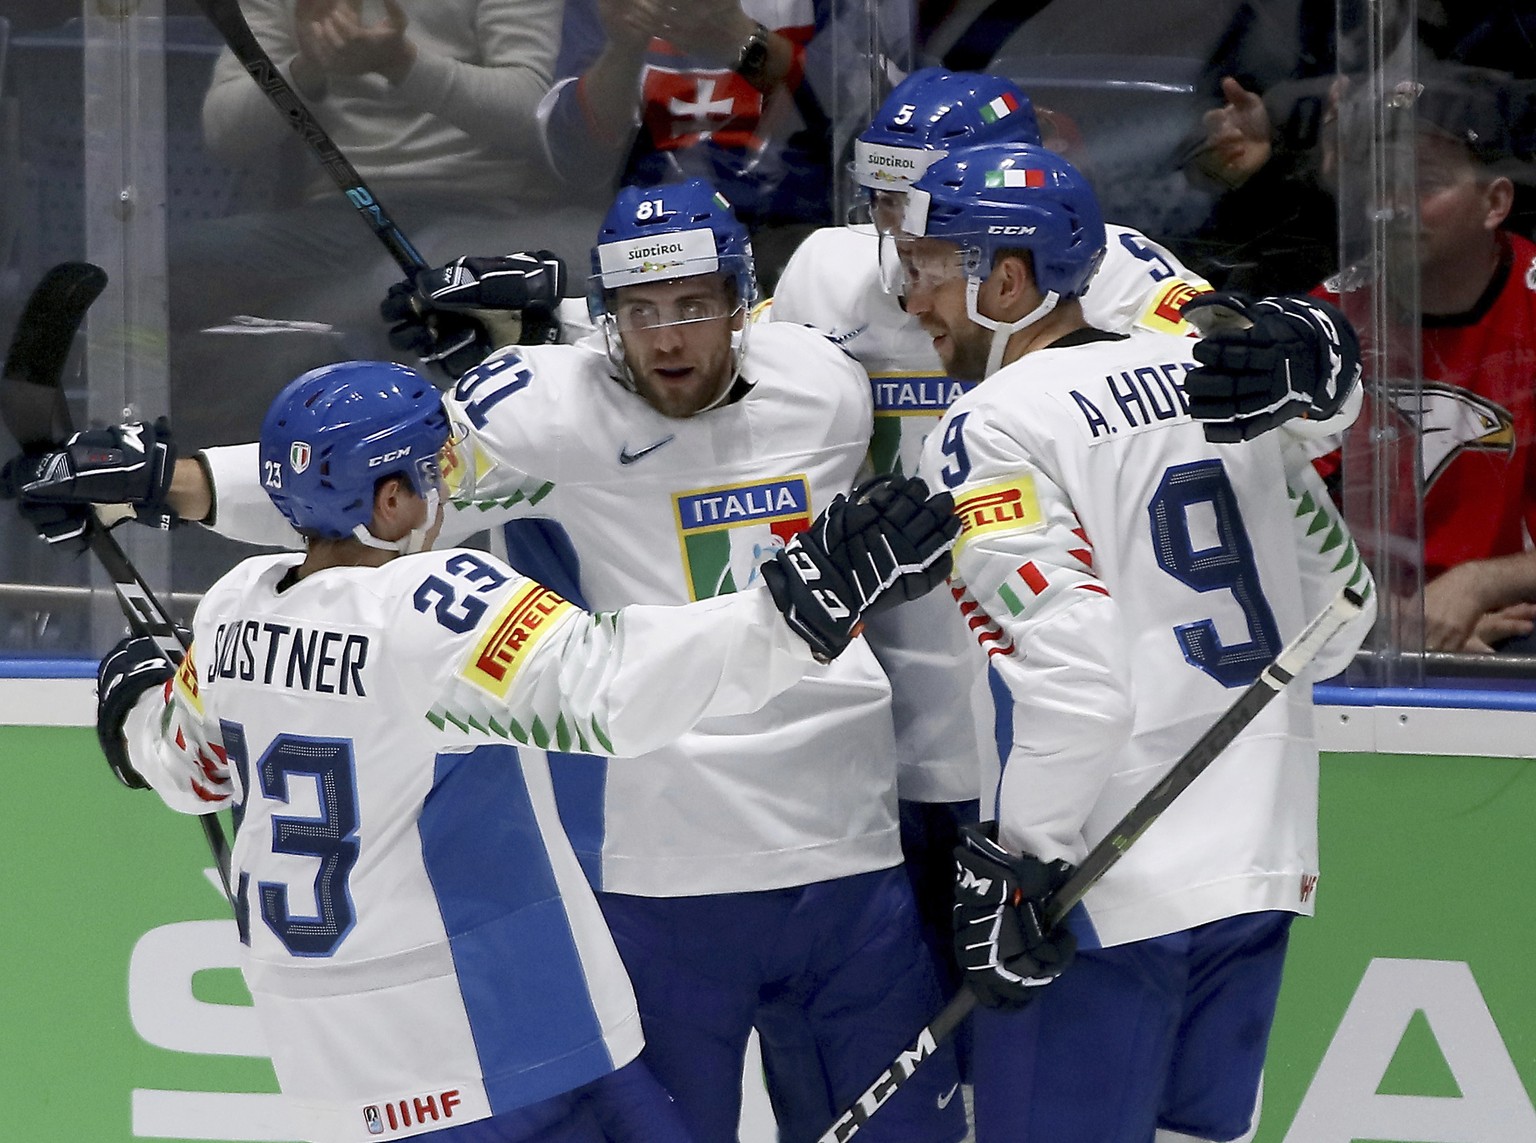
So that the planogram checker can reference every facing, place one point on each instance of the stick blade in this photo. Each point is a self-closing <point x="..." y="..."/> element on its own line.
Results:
<point x="31" y="394"/>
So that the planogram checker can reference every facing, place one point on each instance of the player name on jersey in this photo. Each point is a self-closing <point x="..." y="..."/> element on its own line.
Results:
<point x="290" y="657"/>
<point x="1135" y="400"/>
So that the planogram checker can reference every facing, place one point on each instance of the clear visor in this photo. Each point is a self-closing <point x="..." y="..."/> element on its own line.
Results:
<point x="925" y="264"/>
<point x="644" y="315"/>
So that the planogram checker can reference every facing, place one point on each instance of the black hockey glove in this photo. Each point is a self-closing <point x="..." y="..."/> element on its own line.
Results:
<point x="889" y="537"/>
<point x="921" y="529"/>
<point x="124" y="464"/>
<point x="135" y="665"/>
<point x="454" y="316"/>
<point x="1264" y="362"/>
<point x="1000" y="940"/>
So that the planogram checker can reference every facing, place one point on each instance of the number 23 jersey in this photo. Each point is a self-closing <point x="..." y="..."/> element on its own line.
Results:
<point x="1127" y="580"/>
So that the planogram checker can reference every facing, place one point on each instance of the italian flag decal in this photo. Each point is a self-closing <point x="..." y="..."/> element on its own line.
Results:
<point x="1015" y="178"/>
<point x="1004" y="104"/>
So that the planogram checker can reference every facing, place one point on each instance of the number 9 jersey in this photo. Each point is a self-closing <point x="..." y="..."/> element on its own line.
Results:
<point x="1126" y="579"/>
<point x="420" y="941"/>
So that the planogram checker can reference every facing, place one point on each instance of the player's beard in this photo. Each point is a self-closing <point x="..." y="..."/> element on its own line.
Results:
<point x="711" y="374"/>
<point x="964" y="352"/>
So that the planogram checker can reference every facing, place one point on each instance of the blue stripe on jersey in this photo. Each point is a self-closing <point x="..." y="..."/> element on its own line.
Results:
<point x="522" y="979"/>
<point x="1002" y="728"/>
<point x="1078" y="919"/>
<point x="581" y="782"/>
<point x="542" y="551"/>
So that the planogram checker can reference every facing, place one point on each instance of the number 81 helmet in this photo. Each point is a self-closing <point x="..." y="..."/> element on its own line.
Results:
<point x="333" y="433"/>
<point x="661" y="234"/>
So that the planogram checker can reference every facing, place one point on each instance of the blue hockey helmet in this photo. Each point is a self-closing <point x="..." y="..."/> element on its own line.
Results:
<point x="1010" y="196"/>
<point x="661" y="234"/>
<point x="658" y="234"/>
<point x="333" y="433"/>
<point x="932" y="113"/>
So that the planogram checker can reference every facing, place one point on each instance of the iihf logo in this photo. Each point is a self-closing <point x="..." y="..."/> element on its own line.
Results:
<point x="374" y="1121"/>
<point x="298" y="456"/>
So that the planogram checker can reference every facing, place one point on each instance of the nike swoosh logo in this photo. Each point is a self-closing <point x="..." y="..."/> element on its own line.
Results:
<point x="627" y="457"/>
<point x="947" y="1096"/>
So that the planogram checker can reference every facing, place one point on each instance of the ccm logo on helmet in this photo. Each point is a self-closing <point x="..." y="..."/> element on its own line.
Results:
<point x="385" y="458"/>
<point x="1010" y="230"/>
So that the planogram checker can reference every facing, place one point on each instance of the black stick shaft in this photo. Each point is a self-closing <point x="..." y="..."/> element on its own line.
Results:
<point x="147" y="616"/>
<point x="1271" y="681"/>
<point x="225" y="15"/>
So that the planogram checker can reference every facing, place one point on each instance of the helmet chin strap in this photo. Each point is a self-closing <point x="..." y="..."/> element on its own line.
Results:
<point x="1003" y="330"/>
<point x="409" y="544"/>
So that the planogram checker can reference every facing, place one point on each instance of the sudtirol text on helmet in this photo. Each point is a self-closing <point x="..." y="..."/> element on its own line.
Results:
<point x="334" y="432"/>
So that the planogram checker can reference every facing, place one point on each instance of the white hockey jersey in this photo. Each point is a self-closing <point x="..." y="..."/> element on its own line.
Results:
<point x="1126" y="580"/>
<point x="422" y="946"/>
<point x="624" y="505"/>
<point x="943" y="713"/>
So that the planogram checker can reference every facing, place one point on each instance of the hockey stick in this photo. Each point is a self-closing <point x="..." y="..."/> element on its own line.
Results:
<point x="33" y="408"/>
<point x="225" y="15"/>
<point x="1271" y="681"/>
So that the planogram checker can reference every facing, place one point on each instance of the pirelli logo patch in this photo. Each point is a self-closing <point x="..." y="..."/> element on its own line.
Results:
<point x="1164" y="315"/>
<point x="186" y="682"/>
<point x="527" y="617"/>
<point x="1010" y="507"/>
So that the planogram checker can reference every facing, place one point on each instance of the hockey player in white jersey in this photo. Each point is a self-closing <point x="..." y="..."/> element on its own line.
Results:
<point x="425" y="955"/>
<point x="1124" y="578"/>
<point x="843" y="280"/>
<point x="750" y="871"/>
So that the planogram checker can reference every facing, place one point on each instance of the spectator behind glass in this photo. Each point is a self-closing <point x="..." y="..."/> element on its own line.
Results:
<point x="1474" y="417"/>
<point x="655" y="92"/>
<point x="1265" y="149"/>
<point x="433" y="101"/>
<point x="1135" y="80"/>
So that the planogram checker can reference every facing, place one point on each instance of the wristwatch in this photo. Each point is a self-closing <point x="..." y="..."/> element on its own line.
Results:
<point x="752" y="60"/>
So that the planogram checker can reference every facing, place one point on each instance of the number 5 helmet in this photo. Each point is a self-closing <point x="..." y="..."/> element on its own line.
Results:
<point x="661" y="234"/>
<point x="333" y="433"/>
<point x="1011" y="196"/>
<point x="933" y="113"/>
<point x="930" y="114"/>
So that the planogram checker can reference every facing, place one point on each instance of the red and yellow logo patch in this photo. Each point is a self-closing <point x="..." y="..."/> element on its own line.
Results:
<point x="1164" y="315"/>
<point x="1009" y="507"/>
<point x="186" y="682"/>
<point x="527" y="617"/>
